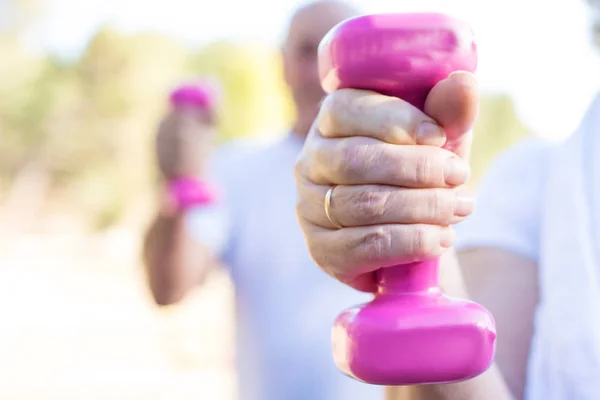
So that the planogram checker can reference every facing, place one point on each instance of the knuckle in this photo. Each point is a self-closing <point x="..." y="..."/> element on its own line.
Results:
<point x="307" y="161"/>
<point x="315" y="252"/>
<point x="388" y="124"/>
<point x="349" y="161"/>
<point x="375" y="245"/>
<point x="334" y="111"/>
<point x="439" y="206"/>
<point x="300" y="209"/>
<point x="423" y="169"/>
<point x="305" y="204"/>
<point x="371" y="205"/>
<point x="448" y="205"/>
<point x="299" y="168"/>
<point x="427" y="170"/>
<point x="321" y="255"/>
<point x="432" y="205"/>
<point x="423" y="242"/>
<point x="327" y="103"/>
<point x="327" y="121"/>
<point x="340" y="101"/>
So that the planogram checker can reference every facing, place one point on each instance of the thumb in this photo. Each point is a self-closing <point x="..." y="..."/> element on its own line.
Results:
<point x="454" y="104"/>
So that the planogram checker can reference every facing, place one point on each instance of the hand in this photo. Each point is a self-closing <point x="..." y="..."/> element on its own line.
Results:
<point x="183" y="144"/>
<point x="396" y="173"/>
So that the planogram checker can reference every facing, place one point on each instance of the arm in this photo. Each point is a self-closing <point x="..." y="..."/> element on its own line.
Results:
<point x="485" y="275"/>
<point x="175" y="258"/>
<point x="496" y="249"/>
<point x="384" y="226"/>
<point x="175" y="262"/>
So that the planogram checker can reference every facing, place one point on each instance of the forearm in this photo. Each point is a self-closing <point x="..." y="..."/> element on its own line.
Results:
<point x="174" y="261"/>
<point x="489" y="385"/>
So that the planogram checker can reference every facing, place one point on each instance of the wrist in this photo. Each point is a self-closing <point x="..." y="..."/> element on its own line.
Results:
<point x="183" y="193"/>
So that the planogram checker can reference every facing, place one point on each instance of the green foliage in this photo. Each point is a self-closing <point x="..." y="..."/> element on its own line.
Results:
<point x="19" y="73"/>
<point x="497" y="128"/>
<point x="252" y="82"/>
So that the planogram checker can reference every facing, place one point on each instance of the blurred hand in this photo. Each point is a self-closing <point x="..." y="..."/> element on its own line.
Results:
<point x="396" y="171"/>
<point x="183" y="144"/>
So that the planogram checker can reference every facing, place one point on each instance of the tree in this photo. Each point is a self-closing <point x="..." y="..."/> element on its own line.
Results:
<point x="256" y="102"/>
<point x="124" y="81"/>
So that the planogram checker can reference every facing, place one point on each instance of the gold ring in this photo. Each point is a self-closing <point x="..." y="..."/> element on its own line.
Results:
<point x="328" y="197"/>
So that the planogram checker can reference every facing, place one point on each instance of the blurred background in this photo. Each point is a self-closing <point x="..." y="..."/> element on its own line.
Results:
<point x="83" y="85"/>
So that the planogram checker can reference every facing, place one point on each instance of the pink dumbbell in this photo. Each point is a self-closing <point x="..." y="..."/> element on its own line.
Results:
<point x="410" y="333"/>
<point x="200" y="95"/>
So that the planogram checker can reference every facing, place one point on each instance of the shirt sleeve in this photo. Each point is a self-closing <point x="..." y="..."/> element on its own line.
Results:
<point x="507" y="215"/>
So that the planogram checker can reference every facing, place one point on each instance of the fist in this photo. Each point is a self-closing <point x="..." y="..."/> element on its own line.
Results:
<point x="393" y="174"/>
<point x="184" y="142"/>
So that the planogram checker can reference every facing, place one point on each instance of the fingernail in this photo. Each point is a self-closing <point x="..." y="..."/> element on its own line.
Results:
<point x="464" y="78"/>
<point x="464" y="206"/>
<point x="447" y="237"/>
<point x="456" y="171"/>
<point x="456" y="220"/>
<point x="431" y="134"/>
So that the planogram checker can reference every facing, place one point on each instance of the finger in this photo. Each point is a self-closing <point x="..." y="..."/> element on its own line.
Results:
<point x="365" y="205"/>
<point x="361" y="161"/>
<point x="349" y="112"/>
<point x="351" y="252"/>
<point x="454" y="104"/>
<point x="363" y="282"/>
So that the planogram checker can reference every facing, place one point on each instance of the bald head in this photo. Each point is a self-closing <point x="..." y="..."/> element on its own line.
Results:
<point x="322" y="14"/>
<point x="308" y="24"/>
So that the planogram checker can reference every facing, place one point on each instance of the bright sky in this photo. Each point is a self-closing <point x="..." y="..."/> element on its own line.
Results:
<point x="536" y="50"/>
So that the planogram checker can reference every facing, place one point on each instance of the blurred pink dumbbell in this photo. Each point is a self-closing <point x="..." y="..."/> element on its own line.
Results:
<point x="201" y="95"/>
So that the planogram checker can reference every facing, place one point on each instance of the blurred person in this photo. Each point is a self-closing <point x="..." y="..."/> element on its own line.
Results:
<point x="529" y="253"/>
<point x="285" y="305"/>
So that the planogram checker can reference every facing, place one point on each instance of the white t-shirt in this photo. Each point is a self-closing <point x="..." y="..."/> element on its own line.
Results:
<point x="285" y="304"/>
<point x="509" y="197"/>
<point x="509" y="204"/>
